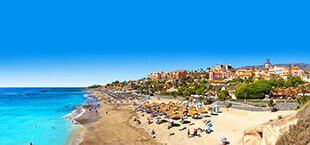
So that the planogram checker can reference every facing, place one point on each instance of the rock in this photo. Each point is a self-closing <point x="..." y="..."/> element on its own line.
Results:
<point x="268" y="133"/>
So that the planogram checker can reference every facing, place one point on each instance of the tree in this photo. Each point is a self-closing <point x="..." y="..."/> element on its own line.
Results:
<point x="223" y="95"/>
<point x="256" y="90"/>
<point x="271" y="104"/>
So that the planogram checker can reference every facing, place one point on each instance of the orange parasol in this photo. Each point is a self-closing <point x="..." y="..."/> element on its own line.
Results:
<point x="202" y="110"/>
<point x="178" y="115"/>
<point x="163" y="109"/>
<point x="171" y="112"/>
<point x="192" y="108"/>
<point x="174" y="108"/>
<point x="193" y="112"/>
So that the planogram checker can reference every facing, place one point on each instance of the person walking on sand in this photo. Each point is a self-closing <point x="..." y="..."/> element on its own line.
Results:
<point x="188" y="133"/>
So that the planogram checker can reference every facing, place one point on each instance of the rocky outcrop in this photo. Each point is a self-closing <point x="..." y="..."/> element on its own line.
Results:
<point x="268" y="133"/>
<point x="298" y="134"/>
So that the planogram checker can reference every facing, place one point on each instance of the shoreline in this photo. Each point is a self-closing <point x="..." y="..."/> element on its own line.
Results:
<point x="117" y="126"/>
<point x="113" y="128"/>
<point x="79" y="117"/>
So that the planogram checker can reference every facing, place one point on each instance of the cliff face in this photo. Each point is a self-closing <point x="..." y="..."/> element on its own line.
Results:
<point x="268" y="133"/>
<point x="292" y="129"/>
<point x="298" y="134"/>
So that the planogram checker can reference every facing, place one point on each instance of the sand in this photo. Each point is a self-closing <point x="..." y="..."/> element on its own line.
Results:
<point x="230" y="124"/>
<point x="117" y="127"/>
<point x="113" y="128"/>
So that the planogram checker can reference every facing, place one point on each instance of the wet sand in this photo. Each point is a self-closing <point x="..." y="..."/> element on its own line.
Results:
<point x="112" y="128"/>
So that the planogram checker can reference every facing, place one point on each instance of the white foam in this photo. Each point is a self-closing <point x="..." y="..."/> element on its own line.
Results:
<point x="79" y="111"/>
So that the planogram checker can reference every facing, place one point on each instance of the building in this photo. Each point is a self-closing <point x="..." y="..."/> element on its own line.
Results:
<point x="267" y="64"/>
<point x="221" y="67"/>
<point x="179" y="74"/>
<point x="296" y="71"/>
<point x="217" y="76"/>
<point x="244" y="73"/>
<point x="279" y="72"/>
<point x="306" y="77"/>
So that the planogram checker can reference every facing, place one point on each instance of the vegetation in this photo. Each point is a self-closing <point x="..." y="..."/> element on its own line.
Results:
<point x="260" y="106"/>
<point x="258" y="89"/>
<point x="223" y="95"/>
<point x="93" y="87"/>
<point x="298" y="134"/>
<point x="272" y="105"/>
<point x="301" y="101"/>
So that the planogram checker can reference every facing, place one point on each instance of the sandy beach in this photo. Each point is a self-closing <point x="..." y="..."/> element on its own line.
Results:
<point x="117" y="127"/>
<point x="112" y="128"/>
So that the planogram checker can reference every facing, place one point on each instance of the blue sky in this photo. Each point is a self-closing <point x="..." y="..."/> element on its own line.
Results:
<point x="79" y="43"/>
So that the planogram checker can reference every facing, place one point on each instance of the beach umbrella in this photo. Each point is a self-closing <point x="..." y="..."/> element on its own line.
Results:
<point x="192" y="108"/>
<point x="170" y="103"/>
<point x="202" y="110"/>
<point x="153" y="104"/>
<point x="162" y="104"/>
<point x="193" y="112"/>
<point x="163" y="109"/>
<point x="178" y="115"/>
<point x="224" y="139"/>
<point x="174" y="108"/>
<point x="182" y="109"/>
<point x="171" y="112"/>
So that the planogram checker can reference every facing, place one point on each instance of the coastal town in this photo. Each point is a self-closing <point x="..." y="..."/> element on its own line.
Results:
<point x="280" y="83"/>
<point x="265" y="104"/>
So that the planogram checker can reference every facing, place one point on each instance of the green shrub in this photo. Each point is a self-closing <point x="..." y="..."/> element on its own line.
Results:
<point x="256" y="90"/>
<point x="260" y="105"/>
<point x="280" y="117"/>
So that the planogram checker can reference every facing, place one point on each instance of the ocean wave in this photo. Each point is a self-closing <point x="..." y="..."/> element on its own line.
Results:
<point x="71" y="117"/>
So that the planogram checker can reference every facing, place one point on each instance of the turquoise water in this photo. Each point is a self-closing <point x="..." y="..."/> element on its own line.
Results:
<point x="29" y="115"/>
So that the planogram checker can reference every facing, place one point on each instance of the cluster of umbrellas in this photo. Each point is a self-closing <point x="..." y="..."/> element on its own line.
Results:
<point x="175" y="110"/>
<point x="91" y="99"/>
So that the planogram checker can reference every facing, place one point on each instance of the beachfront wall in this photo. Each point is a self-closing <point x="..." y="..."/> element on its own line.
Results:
<point x="250" y="106"/>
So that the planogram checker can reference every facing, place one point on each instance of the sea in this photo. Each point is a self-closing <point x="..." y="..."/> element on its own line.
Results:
<point x="37" y="115"/>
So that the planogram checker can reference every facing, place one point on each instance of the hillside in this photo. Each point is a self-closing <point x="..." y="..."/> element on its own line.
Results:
<point x="298" y="134"/>
<point x="303" y="66"/>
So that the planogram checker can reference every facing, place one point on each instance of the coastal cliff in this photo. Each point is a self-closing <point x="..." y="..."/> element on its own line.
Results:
<point x="287" y="130"/>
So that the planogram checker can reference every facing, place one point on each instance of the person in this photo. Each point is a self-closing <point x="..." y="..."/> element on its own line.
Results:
<point x="188" y="133"/>
<point x="53" y="127"/>
<point x="224" y="141"/>
<point x="182" y="121"/>
<point x="153" y="132"/>
<point x="182" y="129"/>
<point x="208" y="130"/>
<point x="210" y="124"/>
<point x="195" y="132"/>
<point x="30" y="143"/>
<point x="150" y="122"/>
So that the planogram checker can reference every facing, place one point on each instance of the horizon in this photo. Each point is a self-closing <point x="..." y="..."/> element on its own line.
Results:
<point x="84" y="43"/>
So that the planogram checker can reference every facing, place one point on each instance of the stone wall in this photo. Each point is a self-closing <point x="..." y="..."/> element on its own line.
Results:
<point x="250" y="105"/>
